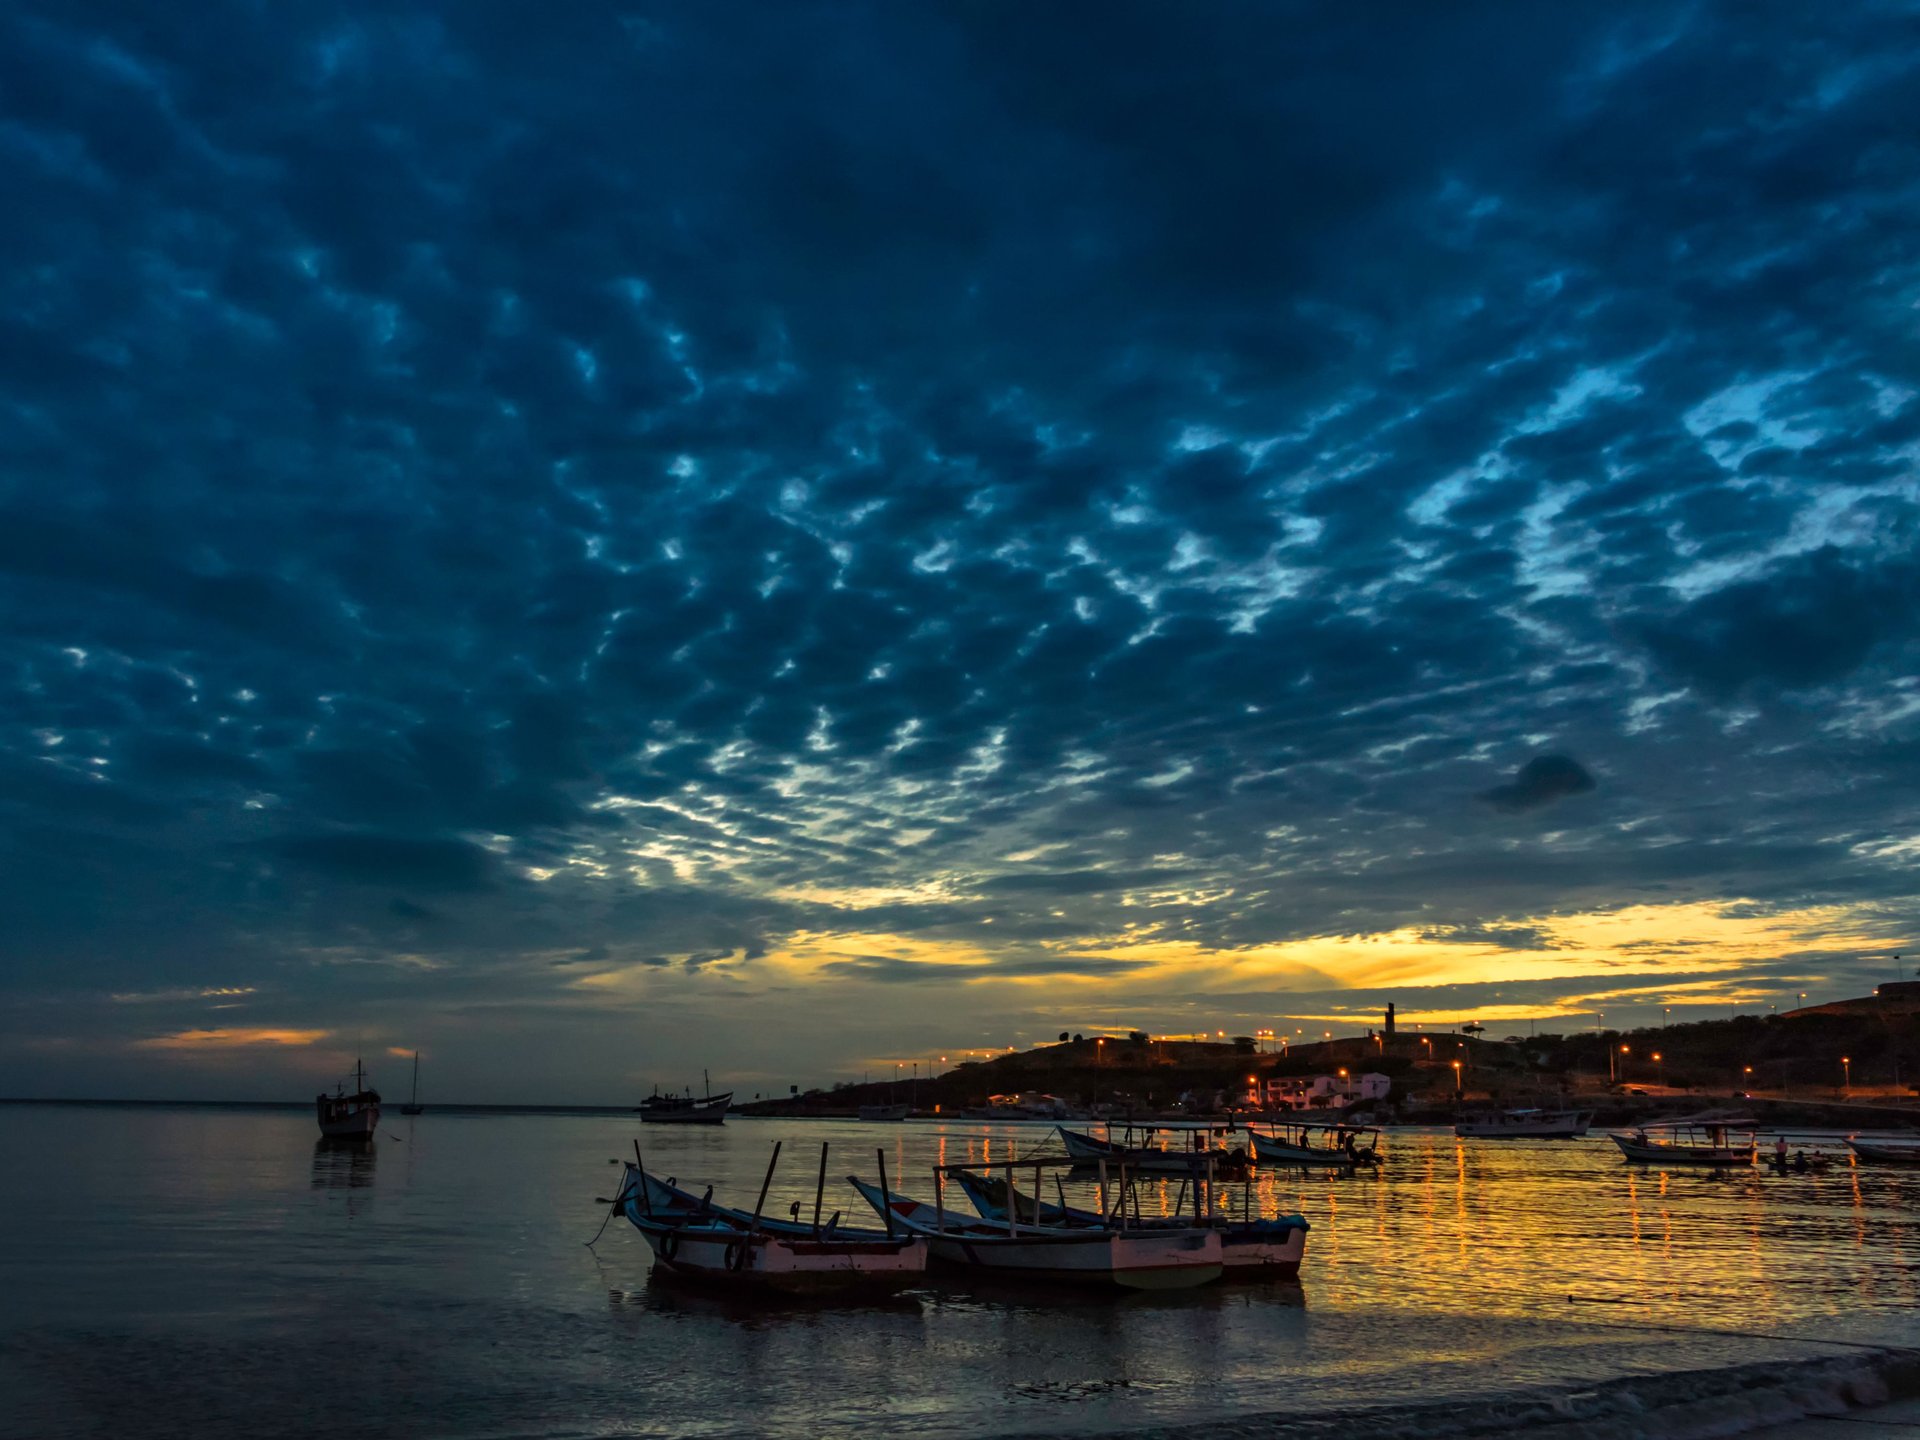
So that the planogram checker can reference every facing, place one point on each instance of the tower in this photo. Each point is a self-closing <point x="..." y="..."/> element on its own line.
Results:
<point x="1389" y="1025"/>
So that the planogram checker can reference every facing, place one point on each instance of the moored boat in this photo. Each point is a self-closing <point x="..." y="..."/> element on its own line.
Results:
<point x="885" y="1112"/>
<point x="1292" y="1142"/>
<point x="1190" y="1152"/>
<point x="349" y="1117"/>
<point x="1525" y="1124"/>
<point x="1131" y="1259"/>
<point x="714" y="1244"/>
<point x="1265" y="1249"/>
<point x="1702" y="1141"/>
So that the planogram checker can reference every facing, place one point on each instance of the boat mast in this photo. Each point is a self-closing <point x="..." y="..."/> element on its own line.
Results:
<point x="416" y="1079"/>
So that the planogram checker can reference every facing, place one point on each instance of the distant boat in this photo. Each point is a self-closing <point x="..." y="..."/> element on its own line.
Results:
<point x="1525" y="1125"/>
<point x="413" y="1105"/>
<point x="349" y="1117"/>
<point x="1890" y="1152"/>
<point x="1701" y="1141"/>
<point x="708" y="1109"/>
<point x="885" y="1112"/>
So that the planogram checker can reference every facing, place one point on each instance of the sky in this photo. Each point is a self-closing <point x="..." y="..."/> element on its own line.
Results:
<point x="596" y="542"/>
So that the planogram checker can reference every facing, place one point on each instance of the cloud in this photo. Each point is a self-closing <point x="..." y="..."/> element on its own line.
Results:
<point x="1541" y="781"/>
<point x="482" y="491"/>
<point x="370" y="858"/>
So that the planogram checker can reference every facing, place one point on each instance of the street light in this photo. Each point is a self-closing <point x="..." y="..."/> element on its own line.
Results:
<point x="1663" y="1070"/>
<point x="1846" y="1073"/>
<point x="1613" y="1074"/>
<point x="1456" y="1079"/>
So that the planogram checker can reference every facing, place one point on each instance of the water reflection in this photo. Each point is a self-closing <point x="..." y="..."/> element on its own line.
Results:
<point x="343" y="1164"/>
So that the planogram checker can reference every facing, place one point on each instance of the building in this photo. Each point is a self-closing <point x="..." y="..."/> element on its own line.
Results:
<point x="1321" y="1092"/>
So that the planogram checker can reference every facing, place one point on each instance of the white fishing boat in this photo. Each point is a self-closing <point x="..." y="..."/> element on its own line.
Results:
<point x="697" y="1240"/>
<point x="1156" y="1149"/>
<point x="1293" y="1142"/>
<point x="1118" y="1256"/>
<point x="885" y="1113"/>
<point x="1263" y="1249"/>
<point x="1700" y="1141"/>
<point x="687" y="1109"/>
<point x="1525" y="1124"/>
<point x="349" y="1117"/>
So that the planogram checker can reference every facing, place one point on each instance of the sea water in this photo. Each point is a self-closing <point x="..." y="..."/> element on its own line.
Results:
<point x="212" y="1272"/>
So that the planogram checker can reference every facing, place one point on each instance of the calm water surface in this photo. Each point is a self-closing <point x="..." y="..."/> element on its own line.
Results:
<point x="214" y="1273"/>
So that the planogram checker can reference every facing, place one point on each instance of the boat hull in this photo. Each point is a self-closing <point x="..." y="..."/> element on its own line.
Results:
<point x="1249" y="1249"/>
<point x="884" y="1113"/>
<point x="356" y="1125"/>
<point x="713" y="1112"/>
<point x="1703" y="1155"/>
<point x="1132" y="1259"/>
<point x="1268" y="1151"/>
<point x="730" y="1257"/>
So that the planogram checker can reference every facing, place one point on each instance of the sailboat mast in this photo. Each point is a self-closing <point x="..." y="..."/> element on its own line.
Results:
<point x="416" y="1079"/>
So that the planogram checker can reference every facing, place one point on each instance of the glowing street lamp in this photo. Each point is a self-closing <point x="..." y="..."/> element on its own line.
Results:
<point x="1613" y="1072"/>
<point x="1846" y="1073"/>
<point x="1456" y="1080"/>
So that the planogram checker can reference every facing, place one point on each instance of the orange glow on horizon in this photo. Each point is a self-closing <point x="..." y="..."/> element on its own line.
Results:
<point x="232" y="1039"/>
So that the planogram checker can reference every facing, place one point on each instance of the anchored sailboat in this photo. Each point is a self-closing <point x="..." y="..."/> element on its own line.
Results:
<point x="413" y="1105"/>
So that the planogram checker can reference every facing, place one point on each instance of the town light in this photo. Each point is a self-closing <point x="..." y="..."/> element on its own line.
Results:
<point x="1846" y="1073"/>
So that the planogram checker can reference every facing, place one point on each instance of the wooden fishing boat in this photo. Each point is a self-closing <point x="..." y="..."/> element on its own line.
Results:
<point x="1249" y="1249"/>
<point x="1294" y="1142"/>
<point x="413" y="1105"/>
<point x="1885" y="1152"/>
<point x="687" y="1109"/>
<point x="1701" y="1141"/>
<point x="1115" y="1257"/>
<point x="694" y="1239"/>
<point x="349" y="1117"/>
<point x="1527" y="1124"/>
<point x="1156" y="1149"/>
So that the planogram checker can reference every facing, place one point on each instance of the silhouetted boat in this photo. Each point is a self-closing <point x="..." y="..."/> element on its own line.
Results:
<point x="1295" y="1142"/>
<point x="413" y="1105"/>
<point x="1189" y="1155"/>
<point x="349" y="1117"/>
<point x="885" y="1112"/>
<point x="1525" y="1125"/>
<point x="708" y="1109"/>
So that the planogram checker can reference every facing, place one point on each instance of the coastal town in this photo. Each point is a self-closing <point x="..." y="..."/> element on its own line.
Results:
<point x="1850" y="1060"/>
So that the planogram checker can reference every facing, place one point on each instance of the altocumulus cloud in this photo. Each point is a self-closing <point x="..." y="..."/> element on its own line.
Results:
<point x="482" y="486"/>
